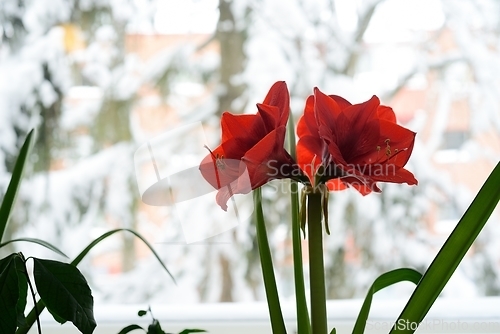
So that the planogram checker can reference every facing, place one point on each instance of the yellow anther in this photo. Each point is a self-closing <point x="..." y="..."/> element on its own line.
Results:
<point x="388" y="147"/>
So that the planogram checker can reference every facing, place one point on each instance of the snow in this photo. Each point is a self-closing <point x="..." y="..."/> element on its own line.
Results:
<point x="306" y="44"/>
<point x="399" y="21"/>
<point x="181" y="16"/>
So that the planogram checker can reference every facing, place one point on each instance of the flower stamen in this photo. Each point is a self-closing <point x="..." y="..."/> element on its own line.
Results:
<point x="218" y="159"/>
<point x="388" y="151"/>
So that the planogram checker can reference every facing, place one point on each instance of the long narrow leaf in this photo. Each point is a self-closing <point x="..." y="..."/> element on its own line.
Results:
<point x="131" y="328"/>
<point x="383" y="281"/>
<point x="277" y="322"/>
<point x="10" y="195"/>
<point x="87" y="249"/>
<point x="31" y="318"/>
<point x="303" y="321"/>
<point x="38" y="242"/>
<point x="451" y="254"/>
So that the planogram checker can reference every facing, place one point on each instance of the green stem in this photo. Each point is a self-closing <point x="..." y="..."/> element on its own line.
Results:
<point x="273" y="302"/>
<point x="35" y="308"/>
<point x="316" y="265"/>
<point x="32" y="317"/>
<point x="303" y="322"/>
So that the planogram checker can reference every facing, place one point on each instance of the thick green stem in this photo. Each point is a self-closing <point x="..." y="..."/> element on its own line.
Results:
<point x="316" y="265"/>
<point x="303" y="322"/>
<point x="273" y="302"/>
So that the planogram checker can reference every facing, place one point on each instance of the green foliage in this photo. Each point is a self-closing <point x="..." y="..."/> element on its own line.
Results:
<point x="275" y="313"/>
<point x="38" y="242"/>
<point x="130" y="328"/>
<point x="303" y="321"/>
<point x="87" y="249"/>
<point x="9" y="198"/>
<point x="429" y="285"/>
<point x="382" y="282"/>
<point x="451" y="254"/>
<point x="61" y="286"/>
<point x="13" y="292"/>
<point x="154" y="327"/>
<point x="66" y="293"/>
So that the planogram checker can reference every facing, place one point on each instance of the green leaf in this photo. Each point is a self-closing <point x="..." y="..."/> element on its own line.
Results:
<point x="87" y="249"/>
<point x="65" y="292"/>
<point x="334" y="331"/>
<point x="10" y="195"/>
<point x="187" y="331"/>
<point x="30" y="319"/>
<point x="130" y="328"/>
<point x="36" y="241"/>
<point x="9" y="294"/>
<point x="383" y="281"/>
<point x="277" y="322"/>
<point x="142" y="313"/>
<point x="13" y="293"/>
<point x="451" y="254"/>
<point x="303" y="322"/>
<point x="155" y="328"/>
<point x="22" y="285"/>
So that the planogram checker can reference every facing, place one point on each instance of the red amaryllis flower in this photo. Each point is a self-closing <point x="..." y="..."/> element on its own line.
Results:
<point x="252" y="151"/>
<point x="343" y="145"/>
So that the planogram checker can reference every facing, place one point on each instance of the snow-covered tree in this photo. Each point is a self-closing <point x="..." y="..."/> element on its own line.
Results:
<point x="68" y="69"/>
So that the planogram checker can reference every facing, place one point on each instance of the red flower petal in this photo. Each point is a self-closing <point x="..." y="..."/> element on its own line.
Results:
<point x="279" y="96"/>
<point x="364" y="143"/>
<point x="386" y="113"/>
<point x="249" y="144"/>
<point x="401" y="139"/>
<point x="309" y="155"/>
<point x="266" y="156"/>
<point x="326" y="110"/>
<point x="343" y="103"/>
<point x="307" y="124"/>
<point x="336" y="184"/>
<point x="268" y="114"/>
<point x="399" y="175"/>
<point x="235" y="125"/>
